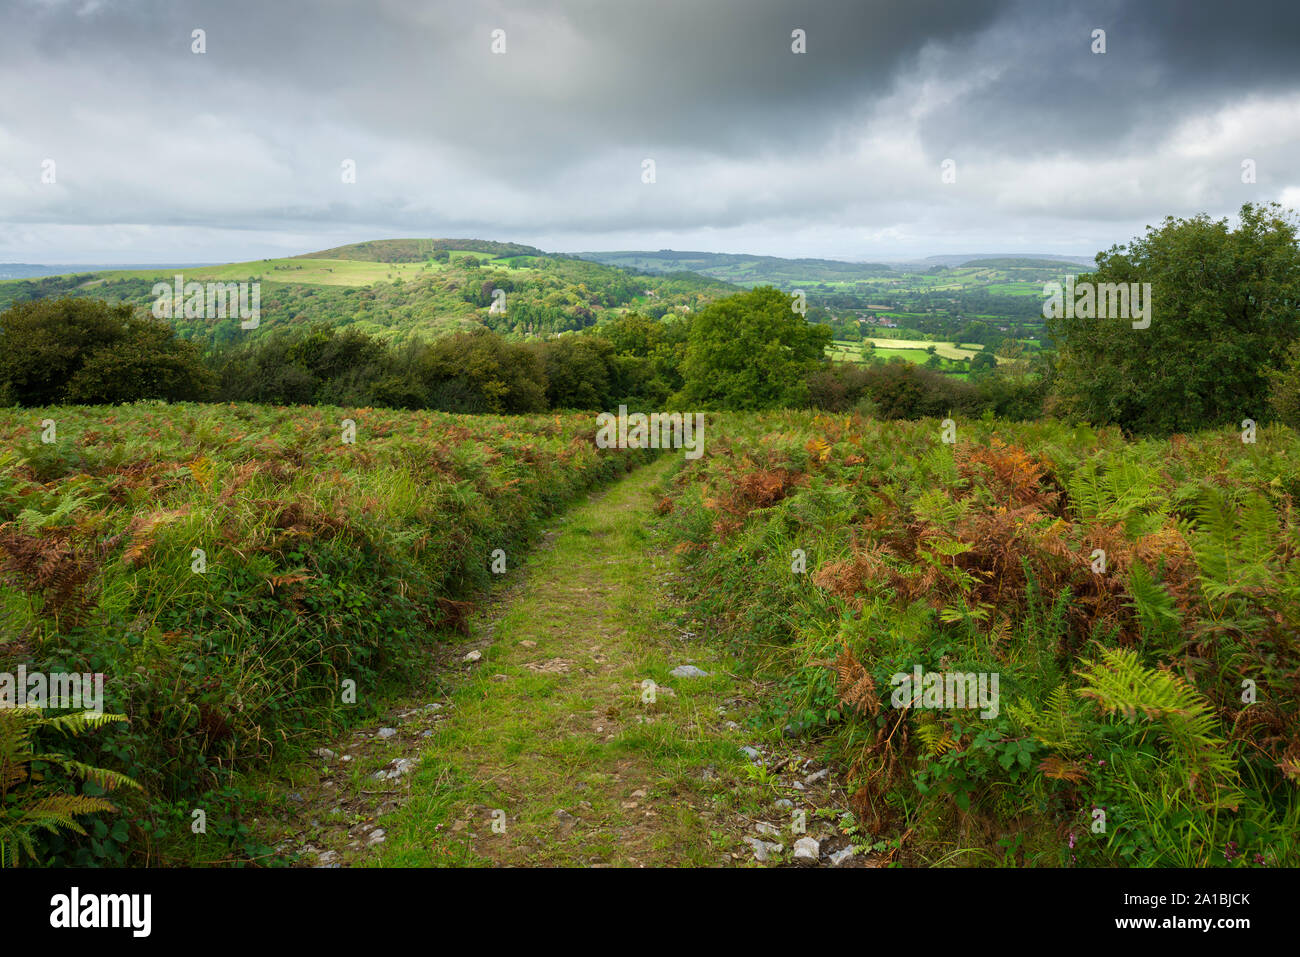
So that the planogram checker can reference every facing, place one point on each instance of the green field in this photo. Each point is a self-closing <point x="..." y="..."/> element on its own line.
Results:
<point x="913" y="350"/>
<point x="1016" y="289"/>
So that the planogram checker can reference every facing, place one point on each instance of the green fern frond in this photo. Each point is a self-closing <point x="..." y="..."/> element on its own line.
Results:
<point x="106" y="779"/>
<point x="935" y="738"/>
<point x="1235" y="544"/>
<point x="1057" y="724"/>
<point x="81" y="721"/>
<point x="1120" y="684"/>
<point x="1154" y="605"/>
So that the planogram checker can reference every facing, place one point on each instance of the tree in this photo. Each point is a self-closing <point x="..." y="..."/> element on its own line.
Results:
<point x="577" y="372"/>
<point x="479" y="371"/>
<point x="751" y="351"/>
<point x="982" y="361"/>
<point x="1225" y="308"/>
<point x="648" y="357"/>
<point x="90" y="351"/>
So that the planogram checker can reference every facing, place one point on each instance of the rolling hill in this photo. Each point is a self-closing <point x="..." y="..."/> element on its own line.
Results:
<point x="743" y="270"/>
<point x="404" y="289"/>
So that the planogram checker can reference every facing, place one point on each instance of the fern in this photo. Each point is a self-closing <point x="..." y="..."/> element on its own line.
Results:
<point x="1120" y="490"/>
<point x="935" y="737"/>
<point x="1235" y="547"/>
<point x="27" y="805"/>
<point x="1121" y="684"/>
<point x="1058" y="724"/>
<point x="1155" y="607"/>
<point x="32" y="520"/>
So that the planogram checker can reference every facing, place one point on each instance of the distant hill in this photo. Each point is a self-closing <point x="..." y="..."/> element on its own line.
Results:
<point x="743" y="270"/>
<point x="400" y="289"/>
<point x="1013" y="262"/>
<point x="999" y="260"/>
<point x="31" y="270"/>
<point x="418" y="250"/>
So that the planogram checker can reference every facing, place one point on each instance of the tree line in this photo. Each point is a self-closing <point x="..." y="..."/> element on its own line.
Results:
<point x="1223" y="345"/>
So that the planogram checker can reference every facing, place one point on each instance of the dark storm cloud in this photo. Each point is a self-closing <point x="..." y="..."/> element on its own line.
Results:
<point x="548" y="140"/>
<point x="576" y="76"/>
<point x="1164" y="60"/>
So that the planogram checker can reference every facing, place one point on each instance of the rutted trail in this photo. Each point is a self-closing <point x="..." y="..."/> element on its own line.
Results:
<point x="554" y="748"/>
<point x="552" y="733"/>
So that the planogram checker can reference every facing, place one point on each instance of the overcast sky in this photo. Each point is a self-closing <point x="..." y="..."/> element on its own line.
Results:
<point x="165" y="155"/>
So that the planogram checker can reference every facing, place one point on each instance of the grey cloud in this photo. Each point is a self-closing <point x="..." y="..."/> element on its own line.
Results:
<point x="548" y="138"/>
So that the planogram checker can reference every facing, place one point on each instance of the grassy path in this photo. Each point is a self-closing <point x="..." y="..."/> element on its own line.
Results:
<point x="561" y="737"/>
<point x="552" y="752"/>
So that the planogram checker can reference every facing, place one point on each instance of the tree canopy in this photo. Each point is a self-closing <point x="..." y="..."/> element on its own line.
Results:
<point x="1225" y="309"/>
<point x="751" y="351"/>
<point x="85" y="351"/>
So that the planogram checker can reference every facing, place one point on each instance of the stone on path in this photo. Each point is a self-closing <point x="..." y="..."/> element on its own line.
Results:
<point x="688" y="671"/>
<point x="762" y="848"/>
<point x="807" y="849"/>
<point x="839" y="857"/>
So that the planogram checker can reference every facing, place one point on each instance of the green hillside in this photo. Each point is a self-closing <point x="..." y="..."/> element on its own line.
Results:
<point x="405" y="289"/>
<point x="418" y="250"/>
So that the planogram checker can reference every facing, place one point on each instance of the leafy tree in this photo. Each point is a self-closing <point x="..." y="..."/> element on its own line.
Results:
<point x="751" y="351"/>
<point x="646" y="367"/>
<point x="903" y="390"/>
<point x="1225" y="307"/>
<point x="577" y="372"/>
<point x="90" y="351"/>
<point x="479" y="371"/>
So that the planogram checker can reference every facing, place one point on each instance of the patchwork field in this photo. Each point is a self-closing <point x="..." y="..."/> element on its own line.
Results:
<point x="913" y="350"/>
